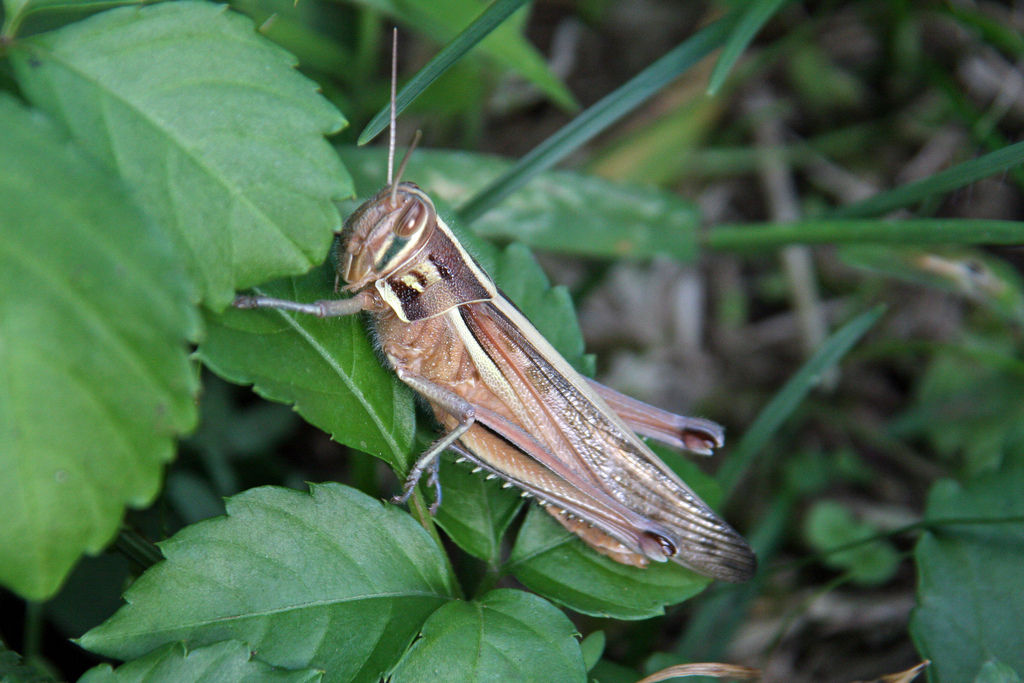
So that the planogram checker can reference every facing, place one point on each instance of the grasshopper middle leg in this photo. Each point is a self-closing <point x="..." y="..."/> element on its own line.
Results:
<point x="454" y="405"/>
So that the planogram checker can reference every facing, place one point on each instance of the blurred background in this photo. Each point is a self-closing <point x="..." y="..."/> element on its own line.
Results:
<point x="828" y="105"/>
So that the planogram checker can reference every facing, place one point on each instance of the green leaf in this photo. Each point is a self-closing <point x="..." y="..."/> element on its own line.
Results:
<point x="996" y="672"/>
<point x="310" y="32"/>
<point x="807" y="474"/>
<point x="442" y="20"/>
<point x="475" y="512"/>
<point x="549" y="308"/>
<point x="755" y="15"/>
<point x="555" y="563"/>
<point x="789" y="397"/>
<point x="507" y="635"/>
<point x="606" y="671"/>
<point x="218" y="663"/>
<point x="95" y="380"/>
<point x="13" y="670"/>
<point x="209" y="124"/>
<point x="598" y="117"/>
<point x="557" y="211"/>
<point x="16" y="11"/>
<point x="327" y="368"/>
<point x="592" y="647"/>
<point x="969" y="602"/>
<point x="967" y="405"/>
<point x="830" y="525"/>
<point x="551" y="561"/>
<point x="822" y="84"/>
<point x="637" y="154"/>
<point x="332" y="580"/>
<point x="492" y="17"/>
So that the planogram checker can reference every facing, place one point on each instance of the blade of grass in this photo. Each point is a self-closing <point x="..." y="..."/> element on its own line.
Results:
<point x="983" y="127"/>
<point x="599" y="116"/>
<point x="788" y="398"/>
<point x="944" y="181"/>
<point x="917" y="231"/>
<point x="489" y="19"/>
<point x="724" y="608"/>
<point x="1003" y="35"/>
<point x="757" y="13"/>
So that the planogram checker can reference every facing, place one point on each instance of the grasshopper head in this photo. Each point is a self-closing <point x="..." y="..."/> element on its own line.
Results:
<point x="385" y="233"/>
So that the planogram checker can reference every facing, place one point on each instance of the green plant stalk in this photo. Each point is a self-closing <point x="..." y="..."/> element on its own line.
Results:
<point x="420" y="510"/>
<point x="755" y="15"/>
<point x="723" y="609"/>
<point x="33" y="631"/>
<point x="789" y="397"/>
<point x="137" y="548"/>
<point x="981" y="126"/>
<point x="943" y="181"/>
<point x="368" y="43"/>
<point x="488" y="581"/>
<point x="470" y="36"/>
<point x="598" y="117"/>
<point x="798" y="609"/>
<point x="764" y="236"/>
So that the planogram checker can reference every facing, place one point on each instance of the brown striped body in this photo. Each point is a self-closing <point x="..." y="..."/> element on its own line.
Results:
<point x="540" y="425"/>
<point x="512" y="405"/>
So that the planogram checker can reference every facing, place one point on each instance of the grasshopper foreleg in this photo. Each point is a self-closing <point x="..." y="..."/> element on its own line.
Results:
<point x="324" y="308"/>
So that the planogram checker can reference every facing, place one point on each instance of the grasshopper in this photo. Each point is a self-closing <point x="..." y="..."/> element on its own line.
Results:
<point x="507" y="400"/>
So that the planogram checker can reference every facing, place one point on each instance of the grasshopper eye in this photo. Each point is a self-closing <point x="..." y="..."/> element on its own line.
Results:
<point x="414" y="217"/>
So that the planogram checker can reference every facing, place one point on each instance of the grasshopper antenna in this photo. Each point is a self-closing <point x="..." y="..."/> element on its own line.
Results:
<point x="405" y="162"/>
<point x="392" y="177"/>
<point x="394" y="77"/>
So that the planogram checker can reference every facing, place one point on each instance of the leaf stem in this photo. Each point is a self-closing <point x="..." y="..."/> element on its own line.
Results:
<point x="488" y="581"/>
<point x="421" y="511"/>
<point x="33" y="631"/>
<point x="786" y="399"/>
<point x="137" y="548"/>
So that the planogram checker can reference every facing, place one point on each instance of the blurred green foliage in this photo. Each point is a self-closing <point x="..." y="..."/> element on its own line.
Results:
<point x="158" y="158"/>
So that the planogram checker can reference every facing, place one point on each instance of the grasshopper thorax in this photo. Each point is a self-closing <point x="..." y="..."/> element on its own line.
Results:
<point x="385" y="233"/>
